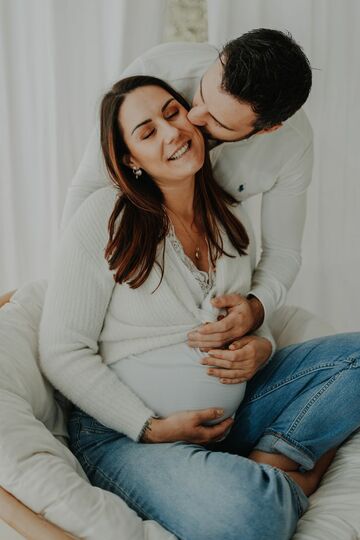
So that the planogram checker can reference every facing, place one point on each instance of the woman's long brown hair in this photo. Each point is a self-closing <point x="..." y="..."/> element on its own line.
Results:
<point x="139" y="223"/>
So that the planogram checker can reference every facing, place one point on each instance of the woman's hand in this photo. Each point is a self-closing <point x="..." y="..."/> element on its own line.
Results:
<point x="241" y="361"/>
<point x="188" y="426"/>
<point x="244" y="315"/>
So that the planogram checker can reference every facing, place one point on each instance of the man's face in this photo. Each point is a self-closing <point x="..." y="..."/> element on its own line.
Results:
<point x="221" y="116"/>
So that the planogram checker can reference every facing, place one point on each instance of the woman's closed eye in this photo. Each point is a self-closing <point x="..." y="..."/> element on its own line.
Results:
<point x="171" y="115"/>
<point x="148" y="134"/>
<point x="168" y="117"/>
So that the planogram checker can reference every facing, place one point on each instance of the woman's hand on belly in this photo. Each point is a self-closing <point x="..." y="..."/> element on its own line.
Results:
<point x="188" y="426"/>
<point x="240" y="363"/>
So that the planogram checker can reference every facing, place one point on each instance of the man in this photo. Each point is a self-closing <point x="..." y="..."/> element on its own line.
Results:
<point x="246" y="97"/>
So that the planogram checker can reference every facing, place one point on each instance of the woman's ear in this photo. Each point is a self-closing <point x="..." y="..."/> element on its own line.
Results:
<point x="130" y="162"/>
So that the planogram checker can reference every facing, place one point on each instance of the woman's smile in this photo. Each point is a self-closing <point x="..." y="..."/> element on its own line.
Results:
<point x="181" y="151"/>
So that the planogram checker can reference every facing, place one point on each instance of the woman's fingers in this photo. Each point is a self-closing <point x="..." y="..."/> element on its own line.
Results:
<point x="212" y="433"/>
<point x="227" y="373"/>
<point x="234" y="381"/>
<point x="206" y="415"/>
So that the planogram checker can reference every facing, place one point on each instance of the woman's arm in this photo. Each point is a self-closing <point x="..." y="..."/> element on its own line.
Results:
<point x="75" y="307"/>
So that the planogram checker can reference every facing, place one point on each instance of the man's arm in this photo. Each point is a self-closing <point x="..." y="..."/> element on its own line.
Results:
<point x="283" y="214"/>
<point x="92" y="174"/>
<point x="282" y="223"/>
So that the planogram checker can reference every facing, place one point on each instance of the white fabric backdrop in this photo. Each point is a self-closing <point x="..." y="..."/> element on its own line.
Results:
<point x="56" y="60"/>
<point x="328" y="283"/>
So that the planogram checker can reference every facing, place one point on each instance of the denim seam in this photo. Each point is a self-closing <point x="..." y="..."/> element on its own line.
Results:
<point x="307" y="407"/>
<point x="294" y="490"/>
<point x="289" y="380"/>
<point x="76" y="441"/>
<point x="352" y="359"/>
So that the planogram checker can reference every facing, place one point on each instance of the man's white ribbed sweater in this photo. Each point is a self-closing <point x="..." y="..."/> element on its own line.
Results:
<point x="89" y="322"/>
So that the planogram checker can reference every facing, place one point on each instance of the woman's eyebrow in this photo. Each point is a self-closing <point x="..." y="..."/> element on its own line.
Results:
<point x="149" y="119"/>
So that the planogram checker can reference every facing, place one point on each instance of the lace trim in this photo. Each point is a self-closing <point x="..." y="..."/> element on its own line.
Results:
<point x="206" y="280"/>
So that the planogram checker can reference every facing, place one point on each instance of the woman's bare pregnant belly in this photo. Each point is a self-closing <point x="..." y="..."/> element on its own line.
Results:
<point x="171" y="379"/>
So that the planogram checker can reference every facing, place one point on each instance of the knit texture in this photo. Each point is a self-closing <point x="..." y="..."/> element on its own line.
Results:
<point x="89" y="322"/>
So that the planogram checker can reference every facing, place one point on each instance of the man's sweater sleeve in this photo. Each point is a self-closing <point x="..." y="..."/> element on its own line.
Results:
<point x="282" y="223"/>
<point x="91" y="174"/>
<point x="76" y="302"/>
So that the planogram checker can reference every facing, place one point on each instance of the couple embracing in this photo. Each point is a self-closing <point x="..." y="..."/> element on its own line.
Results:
<point x="155" y="323"/>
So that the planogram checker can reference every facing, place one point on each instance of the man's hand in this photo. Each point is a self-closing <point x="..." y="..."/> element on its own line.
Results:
<point x="240" y="363"/>
<point x="244" y="315"/>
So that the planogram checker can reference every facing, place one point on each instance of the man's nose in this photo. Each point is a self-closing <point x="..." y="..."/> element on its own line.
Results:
<point x="197" y="115"/>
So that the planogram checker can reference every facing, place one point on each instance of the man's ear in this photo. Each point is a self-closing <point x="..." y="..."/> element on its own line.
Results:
<point x="269" y="130"/>
<point x="273" y="128"/>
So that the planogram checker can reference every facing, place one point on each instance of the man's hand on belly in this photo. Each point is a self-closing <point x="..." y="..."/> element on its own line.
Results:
<point x="240" y="362"/>
<point x="244" y="315"/>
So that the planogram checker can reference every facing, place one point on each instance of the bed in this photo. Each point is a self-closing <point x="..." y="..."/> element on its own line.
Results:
<point x="44" y="493"/>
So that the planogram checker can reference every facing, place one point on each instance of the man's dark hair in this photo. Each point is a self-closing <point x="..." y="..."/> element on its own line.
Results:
<point x="269" y="70"/>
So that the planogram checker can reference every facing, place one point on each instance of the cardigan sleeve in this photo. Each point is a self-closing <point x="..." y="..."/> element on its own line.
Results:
<point x="76" y="302"/>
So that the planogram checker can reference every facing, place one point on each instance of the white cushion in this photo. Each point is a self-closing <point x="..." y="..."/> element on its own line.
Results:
<point x="35" y="467"/>
<point x="334" y="508"/>
<point x="291" y="324"/>
<point x="41" y="472"/>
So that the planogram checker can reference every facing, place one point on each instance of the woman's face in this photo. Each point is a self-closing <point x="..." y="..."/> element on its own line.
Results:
<point x="160" y="138"/>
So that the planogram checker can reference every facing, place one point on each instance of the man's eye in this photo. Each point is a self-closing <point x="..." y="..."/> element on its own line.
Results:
<point x="149" y="134"/>
<point x="171" y="115"/>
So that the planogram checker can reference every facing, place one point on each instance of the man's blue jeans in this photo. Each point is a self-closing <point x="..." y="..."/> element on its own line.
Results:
<point x="304" y="402"/>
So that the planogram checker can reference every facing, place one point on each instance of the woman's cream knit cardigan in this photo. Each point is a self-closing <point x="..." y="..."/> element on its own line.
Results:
<point x="85" y="312"/>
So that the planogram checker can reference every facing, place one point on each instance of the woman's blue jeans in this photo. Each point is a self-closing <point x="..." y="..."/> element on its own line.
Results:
<point x="304" y="402"/>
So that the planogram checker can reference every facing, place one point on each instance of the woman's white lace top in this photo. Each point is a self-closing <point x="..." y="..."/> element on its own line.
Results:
<point x="206" y="280"/>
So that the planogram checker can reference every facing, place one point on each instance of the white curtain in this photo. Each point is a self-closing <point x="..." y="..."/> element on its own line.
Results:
<point x="56" y="60"/>
<point x="328" y="283"/>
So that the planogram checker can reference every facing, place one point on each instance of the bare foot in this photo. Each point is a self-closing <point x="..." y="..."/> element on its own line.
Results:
<point x="310" y="480"/>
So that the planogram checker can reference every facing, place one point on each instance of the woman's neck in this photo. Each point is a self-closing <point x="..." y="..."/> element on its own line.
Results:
<point x="179" y="198"/>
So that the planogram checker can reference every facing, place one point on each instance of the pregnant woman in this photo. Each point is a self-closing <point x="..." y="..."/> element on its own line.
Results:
<point x="136" y="271"/>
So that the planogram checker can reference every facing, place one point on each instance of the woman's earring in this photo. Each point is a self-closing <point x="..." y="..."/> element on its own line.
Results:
<point x="137" y="172"/>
